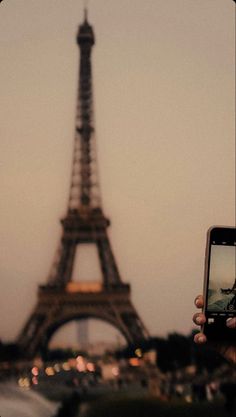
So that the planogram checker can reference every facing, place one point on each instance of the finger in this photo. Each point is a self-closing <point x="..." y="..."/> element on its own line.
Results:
<point x="200" y="338"/>
<point x="199" y="302"/>
<point x="199" y="318"/>
<point x="231" y="323"/>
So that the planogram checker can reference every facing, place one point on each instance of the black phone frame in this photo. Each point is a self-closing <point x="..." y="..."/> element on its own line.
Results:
<point x="217" y="331"/>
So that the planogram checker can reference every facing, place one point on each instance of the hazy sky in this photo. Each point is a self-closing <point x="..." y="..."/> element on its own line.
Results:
<point x="164" y="108"/>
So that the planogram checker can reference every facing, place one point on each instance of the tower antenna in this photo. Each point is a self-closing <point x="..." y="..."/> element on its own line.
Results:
<point x="86" y="3"/>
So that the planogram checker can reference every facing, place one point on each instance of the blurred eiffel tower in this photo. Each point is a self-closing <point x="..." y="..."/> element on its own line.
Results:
<point x="62" y="300"/>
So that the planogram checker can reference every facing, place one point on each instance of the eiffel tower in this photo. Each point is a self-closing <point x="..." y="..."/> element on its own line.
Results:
<point x="62" y="300"/>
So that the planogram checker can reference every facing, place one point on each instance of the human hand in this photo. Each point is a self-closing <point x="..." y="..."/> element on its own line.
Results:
<point x="225" y="349"/>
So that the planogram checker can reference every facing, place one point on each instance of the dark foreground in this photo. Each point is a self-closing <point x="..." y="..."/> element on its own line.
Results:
<point x="151" y="407"/>
<point x="116" y="405"/>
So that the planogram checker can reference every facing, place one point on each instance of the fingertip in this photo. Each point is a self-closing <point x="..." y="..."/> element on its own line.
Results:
<point x="199" y="319"/>
<point x="231" y="323"/>
<point x="200" y="338"/>
<point x="199" y="301"/>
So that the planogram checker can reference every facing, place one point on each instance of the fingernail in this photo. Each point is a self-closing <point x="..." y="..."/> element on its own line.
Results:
<point x="230" y="323"/>
<point x="197" y="301"/>
<point x="201" y="339"/>
<point x="198" y="320"/>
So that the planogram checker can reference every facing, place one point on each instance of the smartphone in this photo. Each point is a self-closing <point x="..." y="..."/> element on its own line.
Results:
<point x="220" y="283"/>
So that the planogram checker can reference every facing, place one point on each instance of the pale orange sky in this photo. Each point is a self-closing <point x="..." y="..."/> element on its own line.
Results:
<point x="164" y="108"/>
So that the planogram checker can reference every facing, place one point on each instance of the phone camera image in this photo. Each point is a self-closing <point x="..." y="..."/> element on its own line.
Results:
<point x="222" y="281"/>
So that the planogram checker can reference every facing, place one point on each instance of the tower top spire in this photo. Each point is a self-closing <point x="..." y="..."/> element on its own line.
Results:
<point x="85" y="14"/>
<point x="86" y="2"/>
<point x="85" y="33"/>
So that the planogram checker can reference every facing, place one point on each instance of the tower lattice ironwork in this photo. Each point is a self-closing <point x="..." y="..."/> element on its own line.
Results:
<point x="62" y="300"/>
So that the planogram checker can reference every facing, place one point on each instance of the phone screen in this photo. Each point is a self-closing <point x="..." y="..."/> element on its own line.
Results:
<point x="221" y="294"/>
